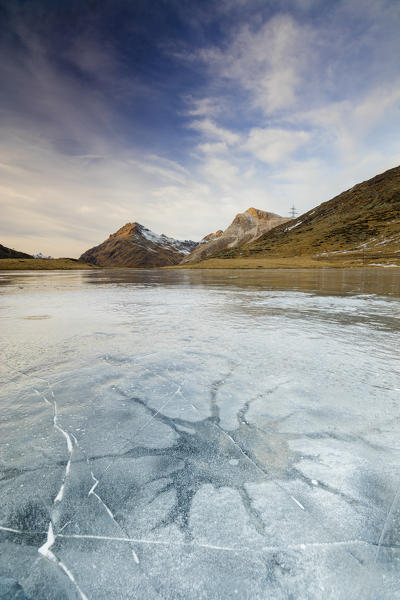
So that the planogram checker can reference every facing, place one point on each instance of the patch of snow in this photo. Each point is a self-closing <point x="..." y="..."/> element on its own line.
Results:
<point x="387" y="240"/>
<point x="336" y="252"/>
<point x="381" y="265"/>
<point x="293" y="226"/>
<point x="183" y="246"/>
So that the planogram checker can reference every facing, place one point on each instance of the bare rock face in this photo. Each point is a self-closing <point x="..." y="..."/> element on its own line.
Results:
<point x="211" y="236"/>
<point x="245" y="228"/>
<point x="136" y="246"/>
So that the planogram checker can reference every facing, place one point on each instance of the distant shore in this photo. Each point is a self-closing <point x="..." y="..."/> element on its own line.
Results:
<point x="292" y="262"/>
<point x="297" y="262"/>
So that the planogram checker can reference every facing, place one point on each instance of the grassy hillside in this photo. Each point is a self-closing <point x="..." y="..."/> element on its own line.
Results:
<point x="41" y="264"/>
<point x="359" y="227"/>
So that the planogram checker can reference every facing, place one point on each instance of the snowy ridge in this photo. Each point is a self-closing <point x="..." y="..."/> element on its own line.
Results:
<point x="184" y="246"/>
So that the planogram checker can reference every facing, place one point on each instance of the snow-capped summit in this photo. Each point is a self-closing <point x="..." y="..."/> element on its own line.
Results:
<point x="133" y="245"/>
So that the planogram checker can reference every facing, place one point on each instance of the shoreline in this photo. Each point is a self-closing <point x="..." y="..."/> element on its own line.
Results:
<point x="201" y="266"/>
<point x="43" y="264"/>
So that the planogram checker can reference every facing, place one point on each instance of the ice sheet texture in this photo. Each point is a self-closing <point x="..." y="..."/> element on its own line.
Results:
<point x="193" y="435"/>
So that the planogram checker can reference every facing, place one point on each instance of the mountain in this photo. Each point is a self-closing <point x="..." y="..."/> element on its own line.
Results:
<point x="361" y="224"/>
<point x="136" y="246"/>
<point x="211" y="236"/>
<point x="245" y="228"/>
<point x="9" y="253"/>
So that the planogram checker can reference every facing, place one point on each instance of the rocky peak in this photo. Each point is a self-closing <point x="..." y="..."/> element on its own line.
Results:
<point x="128" y="229"/>
<point x="211" y="236"/>
<point x="252" y="215"/>
<point x="133" y="245"/>
<point x="245" y="227"/>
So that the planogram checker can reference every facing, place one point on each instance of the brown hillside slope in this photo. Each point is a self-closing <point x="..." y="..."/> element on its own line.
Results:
<point x="361" y="225"/>
<point x="136" y="246"/>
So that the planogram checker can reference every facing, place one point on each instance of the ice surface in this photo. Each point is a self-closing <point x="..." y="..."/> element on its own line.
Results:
<point x="200" y="435"/>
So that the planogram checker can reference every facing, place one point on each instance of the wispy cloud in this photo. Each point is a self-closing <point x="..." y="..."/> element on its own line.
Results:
<point x="272" y="145"/>
<point x="267" y="61"/>
<point x="212" y="131"/>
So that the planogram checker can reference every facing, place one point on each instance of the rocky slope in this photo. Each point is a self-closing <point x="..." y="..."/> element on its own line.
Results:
<point x="9" y="253"/>
<point x="136" y="246"/>
<point x="245" y="228"/>
<point x="362" y="224"/>
<point x="211" y="236"/>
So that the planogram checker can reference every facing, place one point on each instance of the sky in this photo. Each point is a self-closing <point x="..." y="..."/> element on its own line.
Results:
<point x="178" y="114"/>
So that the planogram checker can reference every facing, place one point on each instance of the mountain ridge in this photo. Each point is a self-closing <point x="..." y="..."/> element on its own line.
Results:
<point x="363" y="222"/>
<point x="134" y="245"/>
<point x="11" y="253"/>
<point x="245" y="227"/>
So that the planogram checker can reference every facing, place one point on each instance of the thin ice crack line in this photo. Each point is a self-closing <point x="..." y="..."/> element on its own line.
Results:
<point x="222" y="548"/>
<point x="257" y="467"/>
<point x="275" y="482"/>
<point x="385" y="525"/>
<point x="47" y="553"/>
<point x="44" y="550"/>
<point x="107" y="508"/>
<point x="52" y="403"/>
<point x="158" y="411"/>
<point x="70" y="446"/>
<point x="30" y="376"/>
<point x="91" y="491"/>
<point x="109" y="512"/>
<point x="270" y="479"/>
<point x="252" y="461"/>
<point x="153" y="416"/>
<point x="97" y="481"/>
<point x="107" y="538"/>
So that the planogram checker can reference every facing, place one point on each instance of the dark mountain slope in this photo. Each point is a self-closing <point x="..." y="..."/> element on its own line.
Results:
<point x="9" y="253"/>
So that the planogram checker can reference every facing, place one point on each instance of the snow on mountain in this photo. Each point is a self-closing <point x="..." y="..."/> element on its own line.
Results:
<point x="134" y="245"/>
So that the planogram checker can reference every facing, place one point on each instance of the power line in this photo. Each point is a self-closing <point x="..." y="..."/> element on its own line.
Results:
<point x="293" y="212"/>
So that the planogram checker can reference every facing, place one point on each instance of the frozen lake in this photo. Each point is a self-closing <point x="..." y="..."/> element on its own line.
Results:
<point x="190" y="435"/>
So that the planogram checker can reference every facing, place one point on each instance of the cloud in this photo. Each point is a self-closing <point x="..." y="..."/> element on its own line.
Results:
<point x="211" y="130"/>
<point x="222" y="172"/>
<point x="163" y="168"/>
<point x="272" y="145"/>
<point x="346" y="126"/>
<point x="266" y="61"/>
<point x="204" y="107"/>
<point x="213" y="148"/>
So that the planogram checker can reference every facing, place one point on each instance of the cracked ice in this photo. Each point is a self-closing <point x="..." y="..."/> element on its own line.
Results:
<point x="187" y="435"/>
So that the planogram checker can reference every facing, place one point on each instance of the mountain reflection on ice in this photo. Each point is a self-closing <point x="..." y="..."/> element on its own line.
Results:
<point x="200" y="434"/>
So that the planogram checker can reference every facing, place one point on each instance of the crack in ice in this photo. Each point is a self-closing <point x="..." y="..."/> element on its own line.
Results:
<point x="44" y="550"/>
<point x="385" y="525"/>
<point x="108" y="538"/>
